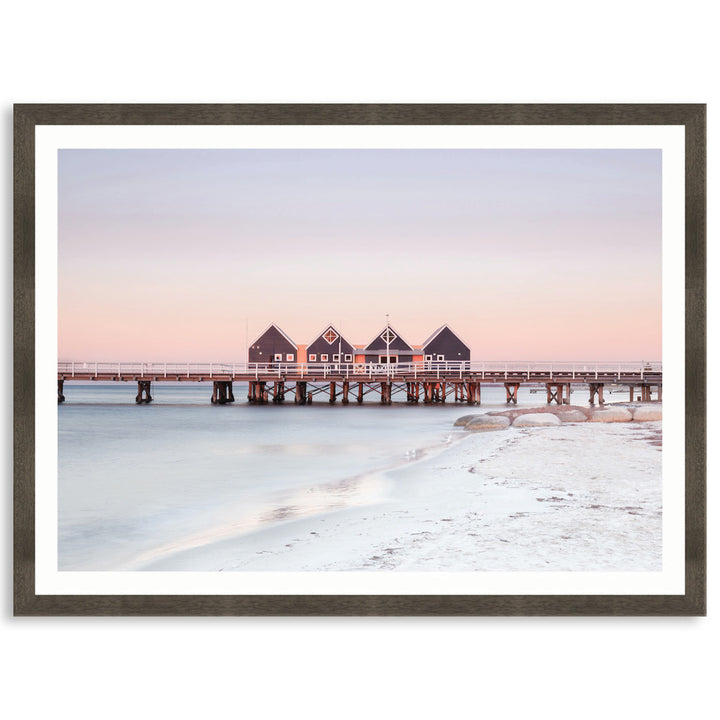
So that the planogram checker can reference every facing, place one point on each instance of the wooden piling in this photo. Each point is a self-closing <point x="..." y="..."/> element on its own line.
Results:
<point x="61" y="397"/>
<point x="300" y="393"/>
<point x="332" y="392"/>
<point x="596" y="389"/>
<point x="554" y="392"/>
<point x="143" y="394"/>
<point x="222" y="392"/>
<point x="511" y="390"/>
<point x="278" y="391"/>
<point x="345" y="392"/>
<point x="360" y="393"/>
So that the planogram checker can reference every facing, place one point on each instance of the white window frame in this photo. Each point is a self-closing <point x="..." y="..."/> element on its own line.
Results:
<point x="312" y="357"/>
<point x="440" y="358"/>
<point x="428" y="358"/>
<point x="290" y="357"/>
<point x="336" y="357"/>
<point x="323" y="358"/>
<point x="348" y="358"/>
<point x="277" y="357"/>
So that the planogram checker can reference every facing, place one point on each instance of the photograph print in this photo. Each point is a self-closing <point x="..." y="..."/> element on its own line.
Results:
<point x="360" y="360"/>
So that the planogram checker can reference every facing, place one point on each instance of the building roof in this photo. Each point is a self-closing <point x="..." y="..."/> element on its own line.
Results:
<point x="273" y="325"/>
<point x="397" y="336"/>
<point x="438" y="331"/>
<point x="337" y="332"/>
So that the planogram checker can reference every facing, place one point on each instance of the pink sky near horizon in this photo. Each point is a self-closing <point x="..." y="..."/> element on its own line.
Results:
<point x="184" y="255"/>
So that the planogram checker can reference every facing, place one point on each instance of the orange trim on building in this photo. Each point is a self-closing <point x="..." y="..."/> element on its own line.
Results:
<point x="302" y="354"/>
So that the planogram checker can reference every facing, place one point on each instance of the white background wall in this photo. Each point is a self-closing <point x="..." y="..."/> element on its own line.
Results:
<point x="322" y="51"/>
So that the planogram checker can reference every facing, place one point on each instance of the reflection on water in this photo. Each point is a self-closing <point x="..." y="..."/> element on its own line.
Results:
<point x="139" y="482"/>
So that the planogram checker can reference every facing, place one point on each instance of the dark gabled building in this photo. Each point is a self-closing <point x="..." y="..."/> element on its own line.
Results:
<point x="330" y="347"/>
<point x="273" y="346"/>
<point x="377" y="349"/>
<point x="444" y="345"/>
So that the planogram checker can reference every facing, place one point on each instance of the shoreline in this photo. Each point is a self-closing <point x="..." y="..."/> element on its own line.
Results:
<point x="585" y="496"/>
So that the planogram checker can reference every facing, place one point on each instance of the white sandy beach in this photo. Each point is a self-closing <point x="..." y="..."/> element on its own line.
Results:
<point x="575" y="497"/>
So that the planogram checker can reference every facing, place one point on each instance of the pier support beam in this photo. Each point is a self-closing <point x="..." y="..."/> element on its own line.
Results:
<point x="300" y="393"/>
<point x="473" y="393"/>
<point x="360" y="393"/>
<point x="256" y="391"/>
<point x="659" y="393"/>
<point x="279" y="392"/>
<point x="413" y="392"/>
<point x="511" y="391"/>
<point x="386" y="393"/>
<point x="554" y="392"/>
<point x="567" y="399"/>
<point x="345" y="392"/>
<point x="61" y="397"/>
<point x="596" y="389"/>
<point x="222" y="392"/>
<point x="332" y="392"/>
<point x="143" y="394"/>
<point x="632" y="391"/>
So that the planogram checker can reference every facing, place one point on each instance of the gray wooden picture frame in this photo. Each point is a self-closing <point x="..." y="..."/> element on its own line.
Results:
<point x="691" y="116"/>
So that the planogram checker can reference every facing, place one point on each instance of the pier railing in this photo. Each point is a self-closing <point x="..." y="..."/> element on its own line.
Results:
<point x="242" y="370"/>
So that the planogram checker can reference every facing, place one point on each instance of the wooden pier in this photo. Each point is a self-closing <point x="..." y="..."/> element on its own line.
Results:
<point x="433" y="382"/>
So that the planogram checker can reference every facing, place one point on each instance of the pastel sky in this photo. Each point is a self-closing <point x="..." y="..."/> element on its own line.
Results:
<point x="180" y="255"/>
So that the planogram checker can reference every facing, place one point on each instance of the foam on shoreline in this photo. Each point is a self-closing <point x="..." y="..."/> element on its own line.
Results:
<point x="578" y="497"/>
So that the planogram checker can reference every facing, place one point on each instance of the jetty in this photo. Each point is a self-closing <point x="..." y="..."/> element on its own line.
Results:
<point x="412" y="382"/>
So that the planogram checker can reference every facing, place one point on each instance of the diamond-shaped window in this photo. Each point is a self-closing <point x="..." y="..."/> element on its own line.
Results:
<point x="330" y="336"/>
<point x="388" y="336"/>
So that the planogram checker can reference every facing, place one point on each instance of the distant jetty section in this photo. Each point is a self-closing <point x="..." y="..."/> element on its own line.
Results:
<point x="427" y="381"/>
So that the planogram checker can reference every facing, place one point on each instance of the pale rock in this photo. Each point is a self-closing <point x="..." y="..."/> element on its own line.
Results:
<point x="465" y="419"/>
<point x="572" y="416"/>
<point x="617" y="414"/>
<point x="536" y="420"/>
<point x="481" y="423"/>
<point x="646" y="413"/>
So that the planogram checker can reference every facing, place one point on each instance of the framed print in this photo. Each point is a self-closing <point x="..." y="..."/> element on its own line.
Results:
<point x="359" y="360"/>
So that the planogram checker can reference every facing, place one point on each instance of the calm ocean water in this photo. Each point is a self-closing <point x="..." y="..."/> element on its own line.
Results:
<point x="137" y="483"/>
